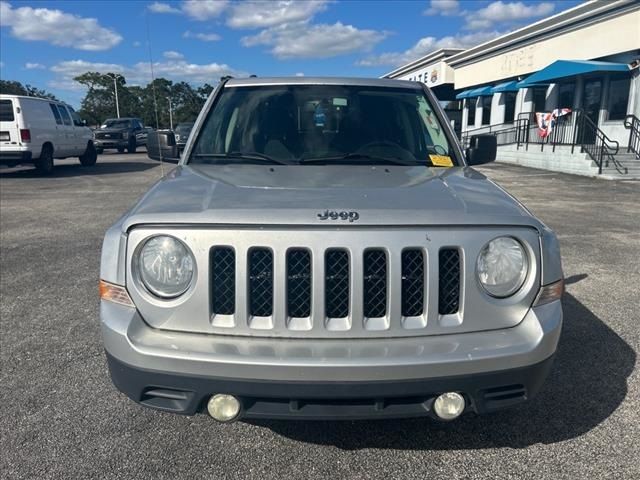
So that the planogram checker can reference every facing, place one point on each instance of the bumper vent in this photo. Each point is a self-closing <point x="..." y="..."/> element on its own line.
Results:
<point x="223" y="280"/>
<point x="336" y="284"/>
<point x="261" y="282"/>
<point x="298" y="283"/>
<point x="375" y="284"/>
<point x="412" y="283"/>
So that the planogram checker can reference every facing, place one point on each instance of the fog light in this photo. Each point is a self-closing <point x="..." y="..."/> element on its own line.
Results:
<point x="449" y="405"/>
<point x="223" y="407"/>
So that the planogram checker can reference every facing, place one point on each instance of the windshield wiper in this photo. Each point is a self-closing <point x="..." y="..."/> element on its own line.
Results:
<point x="367" y="159"/>
<point x="253" y="157"/>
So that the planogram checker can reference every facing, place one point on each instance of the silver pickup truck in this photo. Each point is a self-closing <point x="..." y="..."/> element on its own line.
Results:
<point x="324" y="250"/>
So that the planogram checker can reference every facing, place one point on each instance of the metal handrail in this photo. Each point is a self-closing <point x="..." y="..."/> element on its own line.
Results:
<point x="575" y="130"/>
<point x="602" y="149"/>
<point x="631" y="122"/>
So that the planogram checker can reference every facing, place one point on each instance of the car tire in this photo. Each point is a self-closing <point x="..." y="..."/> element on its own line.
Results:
<point x="90" y="156"/>
<point x="120" y="149"/>
<point x="132" y="145"/>
<point x="99" y="150"/>
<point x="44" y="164"/>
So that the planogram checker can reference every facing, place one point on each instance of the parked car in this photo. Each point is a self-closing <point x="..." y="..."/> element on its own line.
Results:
<point x="38" y="130"/>
<point x="120" y="134"/>
<point x="182" y="132"/>
<point x="324" y="249"/>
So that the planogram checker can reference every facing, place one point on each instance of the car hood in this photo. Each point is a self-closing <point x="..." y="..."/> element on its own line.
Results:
<point x="295" y="195"/>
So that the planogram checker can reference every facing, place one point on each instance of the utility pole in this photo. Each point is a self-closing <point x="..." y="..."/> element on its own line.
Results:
<point x="170" y="115"/>
<point x="115" y="88"/>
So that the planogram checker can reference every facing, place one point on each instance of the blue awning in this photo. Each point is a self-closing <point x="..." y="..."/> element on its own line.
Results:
<point x="511" y="86"/>
<point x="475" y="92"/>
<point x="571" y="68"/>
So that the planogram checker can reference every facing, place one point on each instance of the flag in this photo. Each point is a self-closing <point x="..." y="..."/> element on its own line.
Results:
<point x="547" y="121"/>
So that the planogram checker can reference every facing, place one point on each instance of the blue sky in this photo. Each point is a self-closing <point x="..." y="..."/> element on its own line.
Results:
<point x="47" y="43"/>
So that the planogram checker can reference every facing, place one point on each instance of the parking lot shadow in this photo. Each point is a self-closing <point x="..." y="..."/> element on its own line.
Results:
<point x="586" y="385"/>
<point x="103" y="167"/>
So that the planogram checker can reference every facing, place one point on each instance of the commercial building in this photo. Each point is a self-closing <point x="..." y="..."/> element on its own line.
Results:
<point x="569" y="84"/>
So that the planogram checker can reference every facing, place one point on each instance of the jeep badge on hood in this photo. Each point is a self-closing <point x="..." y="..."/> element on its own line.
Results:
<point x="333" y="215"/>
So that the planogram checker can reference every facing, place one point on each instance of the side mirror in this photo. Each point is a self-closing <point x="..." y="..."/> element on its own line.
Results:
<point x="482" y="149"/>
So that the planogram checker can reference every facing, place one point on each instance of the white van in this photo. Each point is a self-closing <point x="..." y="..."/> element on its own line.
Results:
<point x="37" y="130"/>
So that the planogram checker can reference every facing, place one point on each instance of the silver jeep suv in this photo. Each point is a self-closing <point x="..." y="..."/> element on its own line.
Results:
<point x="325" y="251"/>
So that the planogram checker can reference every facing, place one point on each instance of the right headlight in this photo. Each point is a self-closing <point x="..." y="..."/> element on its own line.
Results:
<point x="502" y="266"/>
<point x="166" y="266"/>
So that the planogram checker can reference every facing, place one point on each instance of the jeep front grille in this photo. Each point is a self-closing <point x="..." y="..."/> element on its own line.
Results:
<point x="223" y="280"/>
<point x="336" y="283"/>
<point x="260" y="282"/>
<point x="412" y="283"/>
<point x="449" y="291"/>
<point x="298" y="283"/>
<point x="375" y="280"/>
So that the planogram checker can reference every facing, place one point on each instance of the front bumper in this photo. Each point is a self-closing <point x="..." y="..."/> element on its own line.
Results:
<point x="329" y="379"/>
<point x="111" y="143"/>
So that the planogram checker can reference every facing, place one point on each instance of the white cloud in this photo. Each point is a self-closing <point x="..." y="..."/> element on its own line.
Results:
<point x="300" y="74"/>
<point x="57" y="27"/>
<point x="177" y="69"/>
<point x="261" y="14"/>
<point x="159" y="7"/>
<point x="443" y="7"/>
<point x="136" y="44"/>
<point x="205" y="37"/>
<point x="34" y="66"/>
<point x="172" y="55"/>
<point x="204" y="9"/>
<point x="505" y="12"/>
<point x="426" y="45"/>
<point x="302" y="40"/>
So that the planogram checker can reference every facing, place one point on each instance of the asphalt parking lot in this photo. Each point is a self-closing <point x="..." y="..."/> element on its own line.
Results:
<point x="62" y="418"/>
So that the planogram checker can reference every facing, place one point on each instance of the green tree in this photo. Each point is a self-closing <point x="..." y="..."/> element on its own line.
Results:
<point x="12" y="87"/>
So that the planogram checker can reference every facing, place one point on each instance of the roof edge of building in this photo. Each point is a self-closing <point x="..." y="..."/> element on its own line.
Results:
<point x="439" y="54"/>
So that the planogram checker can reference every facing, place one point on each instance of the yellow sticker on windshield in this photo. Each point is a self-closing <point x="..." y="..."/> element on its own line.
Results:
<point x="441" y="160"/>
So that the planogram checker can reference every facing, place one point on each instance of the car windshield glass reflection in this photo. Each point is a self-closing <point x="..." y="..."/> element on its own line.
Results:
<point x="323" y="124"/>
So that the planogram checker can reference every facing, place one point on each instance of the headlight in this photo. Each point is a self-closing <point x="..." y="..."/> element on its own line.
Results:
<point x="502" y="266"/>
<point x="166" y="266"/>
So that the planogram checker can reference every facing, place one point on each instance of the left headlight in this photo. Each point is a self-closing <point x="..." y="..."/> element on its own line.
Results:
<point x="502" y="267"/>
<point x="166" y="266"/>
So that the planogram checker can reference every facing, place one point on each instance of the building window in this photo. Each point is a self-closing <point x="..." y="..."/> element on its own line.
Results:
<point x="486" y="110"/>
<point x="509" y="106"/>
<point x="618" y="98"/>
<point x="471" y="112"/>
<point x="566" y="94"/>
<point x="539" y="99"/>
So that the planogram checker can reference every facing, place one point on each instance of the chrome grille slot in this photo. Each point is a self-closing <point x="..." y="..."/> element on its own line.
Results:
<point x="337" y="277"/>
<point x="298" y="283"/>
<point x="223" y="281"/>
<point x="260" y="282"/>
<point x="412" y="283"/>
<point x="375" y="283"/>
<point x="449" y="275"/>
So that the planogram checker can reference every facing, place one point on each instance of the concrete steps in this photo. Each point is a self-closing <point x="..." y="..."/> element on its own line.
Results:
<point x="562" y="160"/>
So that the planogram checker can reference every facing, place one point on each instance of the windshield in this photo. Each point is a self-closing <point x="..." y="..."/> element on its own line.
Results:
<point x="323" y="124"/>
<point x="115" y="124"/>
<point x="184" y="127"/>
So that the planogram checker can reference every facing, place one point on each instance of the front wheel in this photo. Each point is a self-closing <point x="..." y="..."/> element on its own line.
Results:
<point x="132" y="145"/>
<point x="44" y="165"/>
<point x="90" y="156"/>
